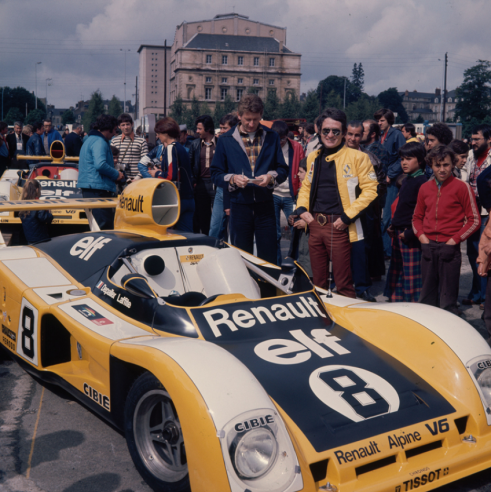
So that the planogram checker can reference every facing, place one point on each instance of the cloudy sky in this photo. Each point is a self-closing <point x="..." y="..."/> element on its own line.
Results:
<point x="400" y="43"/>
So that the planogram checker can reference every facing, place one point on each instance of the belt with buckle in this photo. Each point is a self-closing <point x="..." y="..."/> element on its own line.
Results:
<point x="321" y="219"/>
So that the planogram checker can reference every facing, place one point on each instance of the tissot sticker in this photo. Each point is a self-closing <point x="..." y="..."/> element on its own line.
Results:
<point x="92" y="315"/>
<point x="28" y="332"/>
<point x="421" y="480"/>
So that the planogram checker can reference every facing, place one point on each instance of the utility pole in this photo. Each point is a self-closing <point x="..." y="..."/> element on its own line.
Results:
<point x="320" y="103"/>
<point x="124" y="102"/>
<point x="136" y="98"/>
<point x="344" y="98"/>
<point x="165" y="78"/>
<point x="445" y="88"/>
<point x="47" y="83"/>
<point x="36" y="79"/>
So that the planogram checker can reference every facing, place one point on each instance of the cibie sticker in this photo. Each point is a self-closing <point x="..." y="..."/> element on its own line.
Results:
<point x="191" y="258"/>
<point x="92" y="315"/>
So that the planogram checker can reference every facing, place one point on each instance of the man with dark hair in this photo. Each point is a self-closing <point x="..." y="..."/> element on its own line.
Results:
<point x="409" y="132"/>
<point x="96" y="173"/>
<point x="392" y="140"/>
<point x="17" y="143"/>
<point x="201" y="154"/>
<point x="132" y="149"/>
<point x="249" y="160"/>
<point x="327" y="201"/>
<point x="4" y="148"/>
<point x="477" y="172"/>
<point x="228" y="122"/>
<point x="438" y="134"/>
<point x="285" y="193"/>
<point x="50" y="135"/>
<point x="35" y="143"/>
<point x="73" y="141"/>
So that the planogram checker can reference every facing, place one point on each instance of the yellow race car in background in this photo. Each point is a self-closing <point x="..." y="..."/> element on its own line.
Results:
<point x="58" y="176"/>
<point x="227" y="373"/>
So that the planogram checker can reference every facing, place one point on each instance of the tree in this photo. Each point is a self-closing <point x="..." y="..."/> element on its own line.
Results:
<point x="68" y="118"/>
<point x="95" y="109"/>
<point x="336" y="85"/>
<point x="272" y="106"/>
<point x="333" y="100"/>
<point x="291" y="106"/>
<point x="13" y="115"/>
<point x="363" y="108"/>
<point x="390" y="99"/>
<point x="115" y="108"/>
<point x="178" y="110"/>
<point x="310" y="107"/>
<point x="473" y="96"/>
<point x="419" y="119"/>
<point x="34" y="116"/>
<point x="18" y="97"/>
<point x="358" y="76"/>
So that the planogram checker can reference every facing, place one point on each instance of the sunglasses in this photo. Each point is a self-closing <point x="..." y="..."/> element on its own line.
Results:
<point x="335" y="132"/>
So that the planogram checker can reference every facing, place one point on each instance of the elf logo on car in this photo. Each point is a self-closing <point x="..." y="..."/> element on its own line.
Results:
<point x="356" y="393"/>
<point x="87" y="246"/>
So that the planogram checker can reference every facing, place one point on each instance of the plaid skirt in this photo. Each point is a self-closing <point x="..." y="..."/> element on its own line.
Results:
<point x="404" y="279"/>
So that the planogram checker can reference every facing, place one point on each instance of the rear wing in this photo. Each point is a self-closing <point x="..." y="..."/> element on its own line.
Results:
<point x="56" y="155"/>
<point x="51" y="204"/>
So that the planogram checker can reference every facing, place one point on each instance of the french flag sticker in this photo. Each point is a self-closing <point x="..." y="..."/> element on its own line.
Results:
<point x="100" y="284"/>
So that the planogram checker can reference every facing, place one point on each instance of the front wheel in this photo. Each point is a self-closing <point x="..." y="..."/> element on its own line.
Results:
<point x="154" y="436"/>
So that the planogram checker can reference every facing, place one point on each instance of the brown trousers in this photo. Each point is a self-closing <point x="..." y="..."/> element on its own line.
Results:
<point x="323" y="241"/>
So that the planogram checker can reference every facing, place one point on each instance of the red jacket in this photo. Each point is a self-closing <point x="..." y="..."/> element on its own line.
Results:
<point x="448" y="212"/>
<point x="295" y="157"/>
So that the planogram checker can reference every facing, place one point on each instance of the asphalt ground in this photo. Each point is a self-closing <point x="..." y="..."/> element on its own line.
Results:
<point x="51" y="443"/>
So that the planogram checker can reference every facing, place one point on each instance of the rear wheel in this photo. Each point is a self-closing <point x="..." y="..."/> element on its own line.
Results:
<point x="154" y="436"/>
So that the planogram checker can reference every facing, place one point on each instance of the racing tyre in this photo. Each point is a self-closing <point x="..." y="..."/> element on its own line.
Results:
<point x="154" y="437"/>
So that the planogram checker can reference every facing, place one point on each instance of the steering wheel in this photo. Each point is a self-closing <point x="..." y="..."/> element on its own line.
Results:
<point x="209" y="299"/>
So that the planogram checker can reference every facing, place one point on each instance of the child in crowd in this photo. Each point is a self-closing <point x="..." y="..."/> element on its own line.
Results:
<point x="404" y="277"/>
<point x="115" y="152"/>
<point x="34" y="222"/>
<point x="445" y="215"/>
<point x="303" y="229"/>
<point x="461" y="150"/>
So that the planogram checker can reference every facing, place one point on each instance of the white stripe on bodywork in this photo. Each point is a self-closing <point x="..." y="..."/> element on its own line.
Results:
<point x="352" y="184"/>
<point x="53" y="295"/>
<point x="36" y="272"/>
<point x="17" y="253"/>
<point x="459" y="335"/>
<point x="226" y="385"/>
<point x="117" y="330"/>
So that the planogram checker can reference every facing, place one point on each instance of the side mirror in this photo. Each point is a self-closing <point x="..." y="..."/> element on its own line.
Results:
<point x="138" y="285"/>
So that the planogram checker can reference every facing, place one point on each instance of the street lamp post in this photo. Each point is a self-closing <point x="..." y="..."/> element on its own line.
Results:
<point x="47" y="83"/>
<point x="124" y="102"/>
<point x="36" y="79"/>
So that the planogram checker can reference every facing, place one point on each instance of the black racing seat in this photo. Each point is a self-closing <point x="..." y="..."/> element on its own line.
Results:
<point x="188" y="299"/>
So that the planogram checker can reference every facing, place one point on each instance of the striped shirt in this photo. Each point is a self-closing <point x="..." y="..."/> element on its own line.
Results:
<point x="131" y="152"/>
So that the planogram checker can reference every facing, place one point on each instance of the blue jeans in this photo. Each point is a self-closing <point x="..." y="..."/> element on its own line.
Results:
<point x="103" y="216"/>
<point x="287" y="204"/>
<point x="185" y="222"/>
<point x="219" y="219"/>
<point x="392" y="192"/>
<point x="254" y="220"/>
<point x="479" y="284"/>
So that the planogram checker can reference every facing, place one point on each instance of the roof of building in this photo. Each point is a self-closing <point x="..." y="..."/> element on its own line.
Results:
<point x="235" y="43"/>
<point x="230" y="15"/>
<point x="427" y="95"/>
<point x="159" y="47"/>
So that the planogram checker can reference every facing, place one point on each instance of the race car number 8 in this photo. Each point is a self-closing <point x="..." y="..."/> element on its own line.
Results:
<point x="28" y="332"/>
<point x="356" y="393"/>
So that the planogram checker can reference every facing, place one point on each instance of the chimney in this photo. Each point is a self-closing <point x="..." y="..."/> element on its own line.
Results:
<point x="437" y="91"/>
<point x="282" y="44"/>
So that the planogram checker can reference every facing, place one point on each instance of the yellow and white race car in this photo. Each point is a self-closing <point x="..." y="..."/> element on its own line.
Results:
<point x="227" y="373"/>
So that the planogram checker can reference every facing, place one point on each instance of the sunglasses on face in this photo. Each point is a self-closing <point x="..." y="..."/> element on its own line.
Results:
<point x="335" y="132"/>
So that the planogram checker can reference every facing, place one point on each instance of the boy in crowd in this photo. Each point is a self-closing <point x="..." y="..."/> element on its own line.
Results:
<point x="446" y="214"/>
<point x="461" y="150"/>
<point x="404" y="277"/>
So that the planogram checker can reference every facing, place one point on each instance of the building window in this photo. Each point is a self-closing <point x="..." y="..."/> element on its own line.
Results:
<point x="240" y="60"/>
<point x="207" y="93"/>
<point x="208" y="80"/>
<point x="255" y="82"/>
<point x="240" y="81"/>
<point x="239" y="94"/>
<point x="224" y="59"/>
<point x="256" y="61"/>
<point x="271" y="81"/>
<point x="271" y="62"/>
<point x="224" y="80"/>
<point x="223" y="94"/>
<point x="449" y="99"/>
<point x="208" y="58"/>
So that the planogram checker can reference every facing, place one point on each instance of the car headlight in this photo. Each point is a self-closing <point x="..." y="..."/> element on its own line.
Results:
<point x="484" y="381"/>
<point x="255" y="452"/>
